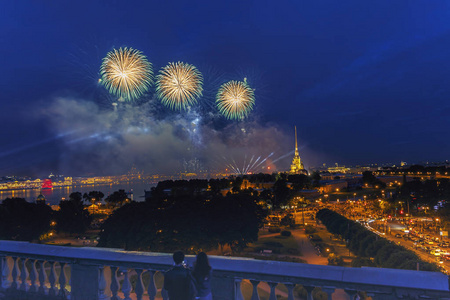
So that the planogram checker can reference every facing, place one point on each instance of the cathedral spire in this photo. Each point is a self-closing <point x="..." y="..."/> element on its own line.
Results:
<point x="297" y="164"/>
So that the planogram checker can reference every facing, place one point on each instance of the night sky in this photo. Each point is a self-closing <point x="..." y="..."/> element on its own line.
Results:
<point x="364" y="82"/>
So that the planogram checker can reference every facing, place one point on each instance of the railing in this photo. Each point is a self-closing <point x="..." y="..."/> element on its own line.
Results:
<point x="33" y="271"/>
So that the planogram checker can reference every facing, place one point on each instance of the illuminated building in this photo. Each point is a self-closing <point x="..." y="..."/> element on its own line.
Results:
<point x="47" y="184"/>
<point x="338" y="169"/>
<point x="297" y="164"/>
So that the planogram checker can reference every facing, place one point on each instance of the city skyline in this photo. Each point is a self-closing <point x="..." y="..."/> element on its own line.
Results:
<point x="362" y="83"/>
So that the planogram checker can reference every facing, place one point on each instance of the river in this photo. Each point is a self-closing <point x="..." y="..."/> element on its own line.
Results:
<point x="53" y="196"/>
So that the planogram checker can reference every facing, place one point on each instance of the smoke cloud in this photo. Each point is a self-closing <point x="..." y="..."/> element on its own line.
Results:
<point x="108" y="141"/>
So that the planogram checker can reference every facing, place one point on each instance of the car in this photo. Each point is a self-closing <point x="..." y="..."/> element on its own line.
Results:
<point x="398" y="235"/>
<point x="446" y="256"/>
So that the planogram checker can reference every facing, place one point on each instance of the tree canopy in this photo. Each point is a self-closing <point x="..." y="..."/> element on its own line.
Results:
<point x="188" y="222"/>
<point x="72" y="216"/>
<point x="117" y="199"/>
<point x="93" y="196"/>
<point x="23" y="221"/>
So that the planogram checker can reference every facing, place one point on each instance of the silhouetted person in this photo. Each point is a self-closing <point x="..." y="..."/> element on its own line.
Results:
<point x="202" y="274"/>
<point x="178" y="281"/>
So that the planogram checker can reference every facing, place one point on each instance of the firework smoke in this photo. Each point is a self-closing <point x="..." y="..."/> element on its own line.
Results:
<point x="107" y="142"/>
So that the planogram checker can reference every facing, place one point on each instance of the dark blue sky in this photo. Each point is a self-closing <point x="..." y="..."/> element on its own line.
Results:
<point x="363" y="81"/>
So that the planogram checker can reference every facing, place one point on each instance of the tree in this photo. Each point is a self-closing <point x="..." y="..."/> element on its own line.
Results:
<point x="335" y="260"/>
<point x="93" y="196"/>
<point x="281" y="193"/>
<point x="400" y="260"/>
<point x="288" y="220"/>
<point x="299" y="181"/>
<point x="362" y="262"/>
<point x="72" y="216"/>
<point x="76" y="197"/>
<point x="23" y="221"/>
<point x="237" y="182"/>
<point x="316" y="178"/>
<point x="191" y="223"/>
<point x="117" y="199"/>
<point x="370" y="179"/>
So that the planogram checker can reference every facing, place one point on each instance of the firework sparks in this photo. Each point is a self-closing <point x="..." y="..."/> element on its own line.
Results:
<point x="235" y="99"/>
<point x="179" y="85"/>
<point x="126" y="73"/>
<point x="250" y="167"/>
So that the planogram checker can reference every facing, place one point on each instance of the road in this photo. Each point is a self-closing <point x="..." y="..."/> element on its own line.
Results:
<point x="392" y="227"/>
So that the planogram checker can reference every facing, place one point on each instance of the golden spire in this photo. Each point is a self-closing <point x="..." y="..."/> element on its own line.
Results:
<point x="297" y="164"/>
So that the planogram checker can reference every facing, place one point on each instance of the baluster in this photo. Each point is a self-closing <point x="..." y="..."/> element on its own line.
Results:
<point x="237" y="289"/>
<point x="102" y="284"/>
<point x="290" y="287"/>
<point x="114" y="283"/>
<point x="69" y="284"/>
<point x="151" y="286"/>
<point x="164" y="294"/>
<point x="62" y="281"/>
<point x="15" y="274"/>
<point x="6" y="272"/>
<point x="126" y="285"/>
<point x="42" y="278"/>
<point x="52" y="279"/>
<point x="24" y="275"/>
<point x="255" y="295"/>
<point x="33" y="277"/>
<point x="139" y="288"/>
<point x="329" y="291"/>
<point x="272" y="285"/>
<point x="309" y="290"/>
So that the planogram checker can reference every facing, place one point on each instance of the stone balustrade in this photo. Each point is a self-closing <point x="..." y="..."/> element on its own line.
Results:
<point x="33" y="271"/>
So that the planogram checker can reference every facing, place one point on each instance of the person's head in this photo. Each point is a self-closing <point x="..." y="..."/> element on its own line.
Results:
<point x="202" y="259"/>
<point x="202" y="266"/>
<point x="178" y="257"/>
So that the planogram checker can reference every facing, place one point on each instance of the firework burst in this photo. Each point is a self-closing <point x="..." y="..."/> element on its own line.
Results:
<point x="235" y="99"/>
<point x="179" y="85"/>
<point x="126" y="73"/>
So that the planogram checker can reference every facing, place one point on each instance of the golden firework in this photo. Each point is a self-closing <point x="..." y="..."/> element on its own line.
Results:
<point x="178" y="85"/>
<point x="126" y="73"/>
<point x="235" y="99"/>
